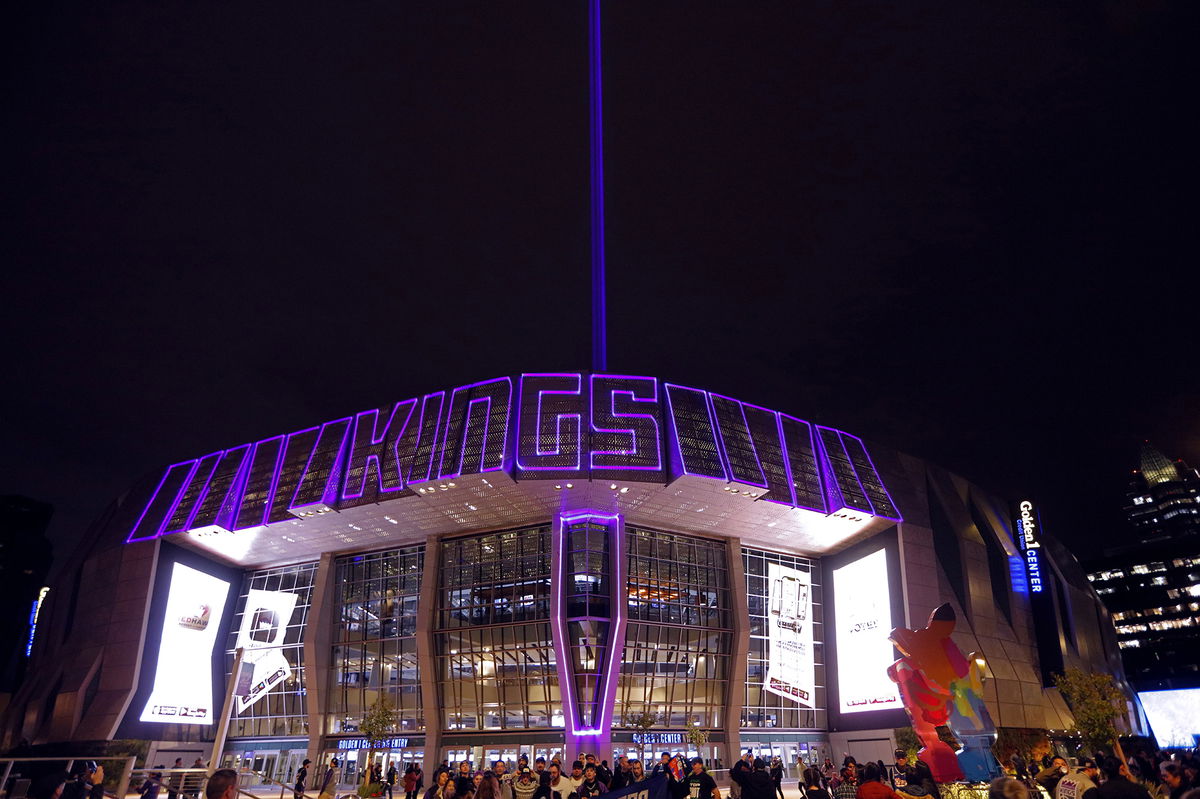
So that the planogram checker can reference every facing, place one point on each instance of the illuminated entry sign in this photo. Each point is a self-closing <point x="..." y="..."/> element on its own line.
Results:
<point x="657" y="738"/>
<point x="863" y="610"/>
<point x="1027" y="535"/>
<point x="541" y="426"/>
<point x="183" y="692"/>
<point x="363" y="743"/>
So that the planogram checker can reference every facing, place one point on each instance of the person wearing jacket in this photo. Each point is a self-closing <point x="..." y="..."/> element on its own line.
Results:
<point x="1081" y="783"/>
<point x="872" y="787"/>
<point x="757" y="783"/>
<point x="1049" y="776"/>
<point x="777" y="777"/>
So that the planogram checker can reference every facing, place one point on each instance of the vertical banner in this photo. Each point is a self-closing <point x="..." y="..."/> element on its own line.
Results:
<point x="863" y="603"/>
<point x="791" y="669"/>
<point x="264" y="626"/>
<point x="183" y="679"/>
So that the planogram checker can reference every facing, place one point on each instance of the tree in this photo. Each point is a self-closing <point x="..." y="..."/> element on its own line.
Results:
<point x="377" y="725"/>
<point x="642" y="721"/>
<point x="1096" y="703"/>
<point x="697" y="736"/>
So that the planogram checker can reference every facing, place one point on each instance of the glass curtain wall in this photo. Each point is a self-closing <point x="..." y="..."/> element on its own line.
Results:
<point x="679" y="635"/>
<point x="375" y="650"/>
<point x="762" y="708"/>
<point x="495" y="655"/>
<point x="282" y="710"/>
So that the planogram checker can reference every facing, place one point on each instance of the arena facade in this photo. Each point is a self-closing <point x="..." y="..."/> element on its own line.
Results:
<point x="549" y="562"/>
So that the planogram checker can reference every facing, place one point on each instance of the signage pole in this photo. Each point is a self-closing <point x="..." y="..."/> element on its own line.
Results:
<point x="226" y="709"/>
<point x="599" y="329"/>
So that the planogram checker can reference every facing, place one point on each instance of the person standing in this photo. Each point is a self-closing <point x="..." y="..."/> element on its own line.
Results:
<point x="176" y="779"/>
<point x="738" y="773"/>
<point x="418" y="782"/>
<point x="1082" y="783"/>
<point x="223" y="784"/>
<point x="777" y="777"/>
<point x="1054" y="771"/>
<point x="847" y="787"/>
<point x="329" y="782"/>
<point x="812" y="779"/>
<point x="872" y="786"/>
<point x="301" y="780"/>
<point x="464" y="783"/>
<point x="757" y="783"/>
<point x="525" y="786"/>
<point x="591" y="787"/>
<point x="503" y="779"/>
<point x="1119" y="783"/>
<point x="698" y="783"/>
<point x="440" y="780"/>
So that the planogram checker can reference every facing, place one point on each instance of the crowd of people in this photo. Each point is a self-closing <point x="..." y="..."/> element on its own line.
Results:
<point x="586" y="778"/>
<point x="1142" y="776"/>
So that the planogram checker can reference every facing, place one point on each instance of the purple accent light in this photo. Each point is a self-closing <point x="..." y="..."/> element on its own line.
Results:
<point x="320" y="481"/>
<point x="725" y="431"/>
<point x="616" y="622"/>
<point x="639" y="391"/>
<point x="193" y="491"/>
<point x="700" y="398"/>
<point x="260" y="483"/>
<point x="158" y="501"/>
<point x="427" y="438"/>
<point x="631" y="435"/>
<point x="599" y="310"/>
<point x="563" y="447"/>
<point x="458" y="434"/>
<point x="368" y="448"/>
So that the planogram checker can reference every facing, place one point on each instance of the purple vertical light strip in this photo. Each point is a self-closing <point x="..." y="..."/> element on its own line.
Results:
<point x="616" y="621"/>
<point x="599" y="310"/>
<point x="558" y="625"/>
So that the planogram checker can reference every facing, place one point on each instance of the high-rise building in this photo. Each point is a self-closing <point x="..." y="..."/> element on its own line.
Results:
<point x="1152" y="584"/>
<point x="25" y="554"/>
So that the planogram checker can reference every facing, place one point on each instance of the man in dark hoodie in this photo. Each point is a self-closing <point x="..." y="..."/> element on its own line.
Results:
<point x="757" y="783"/>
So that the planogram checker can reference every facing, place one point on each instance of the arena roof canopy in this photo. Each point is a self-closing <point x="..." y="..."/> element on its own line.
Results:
<point x="512" y="451"/>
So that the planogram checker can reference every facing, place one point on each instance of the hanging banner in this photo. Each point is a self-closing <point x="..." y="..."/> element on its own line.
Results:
<point x="183" y="679"/>
<point x="264" y="625"/>
<point x="791" y="667"/>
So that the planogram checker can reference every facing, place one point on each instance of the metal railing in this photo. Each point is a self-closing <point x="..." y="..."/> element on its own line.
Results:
<point x="22" y="782"/>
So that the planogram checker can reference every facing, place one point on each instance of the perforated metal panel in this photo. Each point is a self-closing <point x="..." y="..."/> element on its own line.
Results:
<point x="695" y="434"/>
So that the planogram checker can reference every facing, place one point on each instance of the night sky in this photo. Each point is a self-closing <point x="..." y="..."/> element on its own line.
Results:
<point x="964" y="231"/>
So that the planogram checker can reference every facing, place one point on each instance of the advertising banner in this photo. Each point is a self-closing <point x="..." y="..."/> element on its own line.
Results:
<point x="863" y="602"/>
<point x="183" y="678"/>
<point x="791" y="667"/>
<point x="264" y="625"/>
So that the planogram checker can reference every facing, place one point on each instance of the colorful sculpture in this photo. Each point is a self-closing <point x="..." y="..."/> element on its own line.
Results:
<point x="940" y="686"/>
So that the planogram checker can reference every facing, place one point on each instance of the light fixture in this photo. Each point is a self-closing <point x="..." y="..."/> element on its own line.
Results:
<point x="625" y="490"/>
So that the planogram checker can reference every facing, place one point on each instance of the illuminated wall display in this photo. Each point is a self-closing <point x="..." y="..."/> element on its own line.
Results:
<point x="863" y="611"/>
<point x="791" y="668"/>
<point x="34" y="612"/>
<point x="541" y="426"/>
<point x="183" y="678"/>
<point x="1027" y="535"/>
<point x="1173" y="715"/>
